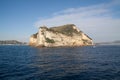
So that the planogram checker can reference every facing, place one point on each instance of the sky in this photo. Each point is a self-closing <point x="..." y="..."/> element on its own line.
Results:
<point x="99" y="19"/>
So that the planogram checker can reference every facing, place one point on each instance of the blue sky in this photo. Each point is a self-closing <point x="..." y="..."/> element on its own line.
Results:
<point x="99" y="19"/>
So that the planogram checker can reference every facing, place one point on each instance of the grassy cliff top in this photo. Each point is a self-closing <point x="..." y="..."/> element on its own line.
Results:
<point x="65" y="29"/>
<point x="68" y="29"/>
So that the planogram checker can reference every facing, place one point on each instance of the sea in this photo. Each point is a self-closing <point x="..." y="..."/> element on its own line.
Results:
<point x="61" y="63"/>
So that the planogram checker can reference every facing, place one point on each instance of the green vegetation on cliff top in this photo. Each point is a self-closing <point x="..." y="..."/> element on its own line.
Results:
<point x="65" y="29"/>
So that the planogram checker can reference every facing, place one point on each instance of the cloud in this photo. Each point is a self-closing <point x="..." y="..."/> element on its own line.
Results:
<point x="96" y="20"/>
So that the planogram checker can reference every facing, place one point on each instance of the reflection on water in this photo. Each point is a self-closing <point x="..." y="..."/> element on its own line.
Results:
<point x="78" y="63"/>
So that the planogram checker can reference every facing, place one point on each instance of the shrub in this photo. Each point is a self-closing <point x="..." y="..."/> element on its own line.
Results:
<point x="50" y="40"/>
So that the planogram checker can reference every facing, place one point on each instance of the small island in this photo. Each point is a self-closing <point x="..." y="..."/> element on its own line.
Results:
<point x="60" y="36"/>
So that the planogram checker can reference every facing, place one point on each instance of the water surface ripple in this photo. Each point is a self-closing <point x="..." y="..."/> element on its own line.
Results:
<point x="78" y="63"/>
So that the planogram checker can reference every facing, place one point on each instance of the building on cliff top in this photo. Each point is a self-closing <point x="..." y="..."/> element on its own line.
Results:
<point x="66" y="35"/>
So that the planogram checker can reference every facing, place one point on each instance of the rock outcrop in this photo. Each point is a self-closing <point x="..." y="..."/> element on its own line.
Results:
<point x="66" y="35"/>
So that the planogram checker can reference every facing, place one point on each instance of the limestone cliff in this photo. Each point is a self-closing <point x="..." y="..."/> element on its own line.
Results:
<point x="66" y="35"/>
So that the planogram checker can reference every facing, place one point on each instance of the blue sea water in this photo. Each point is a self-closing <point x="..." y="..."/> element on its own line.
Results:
<point x="68" y="63"/>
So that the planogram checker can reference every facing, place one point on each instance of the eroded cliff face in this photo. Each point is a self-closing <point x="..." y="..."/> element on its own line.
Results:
<point x="66" y="35"/>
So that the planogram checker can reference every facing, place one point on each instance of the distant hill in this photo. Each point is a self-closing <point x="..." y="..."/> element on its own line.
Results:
<point x="109" y="43"/>
<point x="11" y="42"/>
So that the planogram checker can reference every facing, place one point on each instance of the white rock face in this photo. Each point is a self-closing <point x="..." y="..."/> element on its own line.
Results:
<point x="33" y="40"/>
<point x="63" y="36"/>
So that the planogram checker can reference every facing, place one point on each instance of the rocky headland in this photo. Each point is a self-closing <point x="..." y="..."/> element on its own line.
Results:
<point x="60" y="36"/>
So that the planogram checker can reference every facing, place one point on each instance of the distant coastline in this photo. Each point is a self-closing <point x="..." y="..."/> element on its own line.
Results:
<point x="117" y="42"/>
<point x="12" y="42"/>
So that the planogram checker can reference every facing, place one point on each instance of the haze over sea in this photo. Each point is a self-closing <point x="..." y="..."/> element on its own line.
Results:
<point x="68" y="63"/>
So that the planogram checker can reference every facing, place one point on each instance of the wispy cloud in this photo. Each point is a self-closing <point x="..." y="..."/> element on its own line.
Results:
<point x="96" y="20"/>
